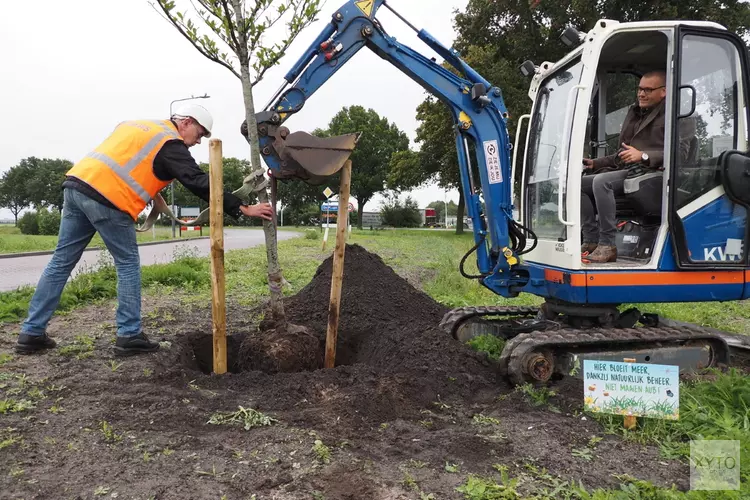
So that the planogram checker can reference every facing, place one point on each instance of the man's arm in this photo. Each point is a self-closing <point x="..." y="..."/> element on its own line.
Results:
<point x="174" y="161"/>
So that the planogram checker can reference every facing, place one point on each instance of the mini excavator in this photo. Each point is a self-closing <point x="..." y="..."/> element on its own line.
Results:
<point x="682" y="230"/>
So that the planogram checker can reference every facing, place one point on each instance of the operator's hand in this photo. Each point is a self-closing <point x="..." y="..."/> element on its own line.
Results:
<point x="588" y="163"/>
<point x="261" y="210"/>
<point x="630" y="154"/>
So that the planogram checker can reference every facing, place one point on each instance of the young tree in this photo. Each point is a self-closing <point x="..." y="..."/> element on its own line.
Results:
<point x="13" y="190"/>
<point x="241" y="26"/>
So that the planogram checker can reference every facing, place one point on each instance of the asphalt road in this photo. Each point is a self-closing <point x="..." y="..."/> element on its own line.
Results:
<point x="26" y="270"/>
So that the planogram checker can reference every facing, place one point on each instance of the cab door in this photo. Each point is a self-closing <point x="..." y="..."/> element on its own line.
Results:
<point x="546" y="172"/>
<point x="708" y="226"/>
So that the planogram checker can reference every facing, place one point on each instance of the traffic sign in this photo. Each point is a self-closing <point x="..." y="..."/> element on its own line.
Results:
<point x="351" y="207"/>
<point x="328" y="192"/>
<point x="331" y="206"/>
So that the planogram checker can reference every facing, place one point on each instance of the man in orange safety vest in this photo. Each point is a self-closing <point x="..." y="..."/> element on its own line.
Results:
<point x="105" y="192"/>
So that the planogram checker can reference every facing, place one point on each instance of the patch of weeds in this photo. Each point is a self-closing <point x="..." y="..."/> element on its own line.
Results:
<point x="166" y="452"/>
<point x="426" y="496"/>
<point x="147" y="372"/>
<point x="417" y="464"/>
<point x="147" y="457"/>
<point x="486" y="488"/>
<point x="426" y="423"/>
<point x="410" y="482"/>
<point x="480" y="419"/>
<point x="553" y="487"/>
<point x="56" y="408"/>
<point x="16" y="472"/>
<point x="114" y="365"/>
<point x="535" y="396"/>
<point x="82" y="347"/>
<point x="10" y="405"/>
<point x="452" y="468"/>
<point x="5" y="358"/>
<point x="322" y="452"/>
<point x="587" y="452"/>
<point x="101" y="491"/>
<point x="36" y="393"/>
<point x="10" y="440"/>
<point x="247" y="417"/>
<point x="318" y="495"/>
<point x="383" y="426"/>
<point x="110" y="436"/>
<point x="489" y="344"/>
<point x="584" y="453"/>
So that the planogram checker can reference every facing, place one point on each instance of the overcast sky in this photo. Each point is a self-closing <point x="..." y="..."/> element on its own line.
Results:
<point x="72" y="70"/>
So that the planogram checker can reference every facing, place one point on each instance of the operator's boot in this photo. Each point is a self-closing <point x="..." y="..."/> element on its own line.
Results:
<point x="587" y="248"/>
<point x="602" y="254"/>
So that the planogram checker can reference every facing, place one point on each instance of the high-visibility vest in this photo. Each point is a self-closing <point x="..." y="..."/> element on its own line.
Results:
<point x="122" y="167"/>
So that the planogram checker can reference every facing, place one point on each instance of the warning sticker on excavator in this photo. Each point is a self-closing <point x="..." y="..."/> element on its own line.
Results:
<point x="365" y="6"/>
<point x="492" y="159"/>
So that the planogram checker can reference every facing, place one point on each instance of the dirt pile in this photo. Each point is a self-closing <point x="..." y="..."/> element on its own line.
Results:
<point x="385" y="323"/>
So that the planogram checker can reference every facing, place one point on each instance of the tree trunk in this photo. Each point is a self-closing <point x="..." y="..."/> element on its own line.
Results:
<point x="275" y="278"/>
<point x="460" y="211"/>
<point x="360" y="209"/>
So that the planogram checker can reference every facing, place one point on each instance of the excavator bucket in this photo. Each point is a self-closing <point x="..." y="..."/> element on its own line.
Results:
<point x="320" y="156"/>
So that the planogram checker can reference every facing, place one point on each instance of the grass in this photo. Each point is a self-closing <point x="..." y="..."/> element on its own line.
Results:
<point x="12" y="241"/>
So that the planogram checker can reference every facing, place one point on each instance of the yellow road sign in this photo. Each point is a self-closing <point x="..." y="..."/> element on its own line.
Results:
<point x="328" y="192"/>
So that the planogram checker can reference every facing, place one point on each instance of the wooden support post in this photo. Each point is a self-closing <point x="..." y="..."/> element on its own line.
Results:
<point x="337" y="277"/>
<point x="630" y="420"/>
<point x="218" y="303"/>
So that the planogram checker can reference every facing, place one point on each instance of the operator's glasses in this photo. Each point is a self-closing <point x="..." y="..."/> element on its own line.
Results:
<point x="647" y="90"/>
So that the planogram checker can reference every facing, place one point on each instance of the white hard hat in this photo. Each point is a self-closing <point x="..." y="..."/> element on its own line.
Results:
<point x="197" y="113"/>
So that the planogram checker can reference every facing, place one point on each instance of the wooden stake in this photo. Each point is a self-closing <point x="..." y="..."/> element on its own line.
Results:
<point x="218" y="304"/>
<point x="338" y="266"/>
<point x="630" y="420"/>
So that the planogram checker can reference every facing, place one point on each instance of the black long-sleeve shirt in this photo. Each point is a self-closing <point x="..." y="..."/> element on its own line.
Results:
<point x="173" y="161"/>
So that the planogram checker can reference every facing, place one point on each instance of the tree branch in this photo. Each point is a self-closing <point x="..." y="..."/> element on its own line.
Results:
<point x="180" y="26"/>
<point x="229" y="27"/>
<point x="294" y="31"/>
<point x="212" y="24"/>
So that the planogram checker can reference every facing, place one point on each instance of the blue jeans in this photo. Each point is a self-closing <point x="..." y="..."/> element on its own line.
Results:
<point x="82" y="217"/>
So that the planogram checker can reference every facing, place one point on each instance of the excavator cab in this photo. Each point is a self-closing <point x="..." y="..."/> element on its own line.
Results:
<point x="682" y="215"/>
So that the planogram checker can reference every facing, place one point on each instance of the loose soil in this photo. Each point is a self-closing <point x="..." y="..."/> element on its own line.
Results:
<point x="404" y="401"/>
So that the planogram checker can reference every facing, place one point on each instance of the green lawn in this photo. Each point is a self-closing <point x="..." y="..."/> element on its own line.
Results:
<point x="12" y="241"/>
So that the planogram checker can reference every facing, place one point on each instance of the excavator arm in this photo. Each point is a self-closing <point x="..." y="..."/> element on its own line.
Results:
<point x="478" y="112"/>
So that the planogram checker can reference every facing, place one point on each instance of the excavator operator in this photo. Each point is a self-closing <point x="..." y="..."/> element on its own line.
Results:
<point x="642" y="144"/>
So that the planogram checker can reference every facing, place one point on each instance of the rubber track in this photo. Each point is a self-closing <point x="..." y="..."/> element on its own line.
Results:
<point x="452" y="319"/>
<point x="516" y="349"/>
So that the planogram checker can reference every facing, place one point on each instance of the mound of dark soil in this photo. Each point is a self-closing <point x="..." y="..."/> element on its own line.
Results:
<point x="385" y="323"/>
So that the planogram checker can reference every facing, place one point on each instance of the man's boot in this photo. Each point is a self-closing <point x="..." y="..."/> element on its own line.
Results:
<point x="587" y="248"/>
<point x="602" y="254"/>
<point x="29" y="344"/>
<point x="128" y="346"/>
